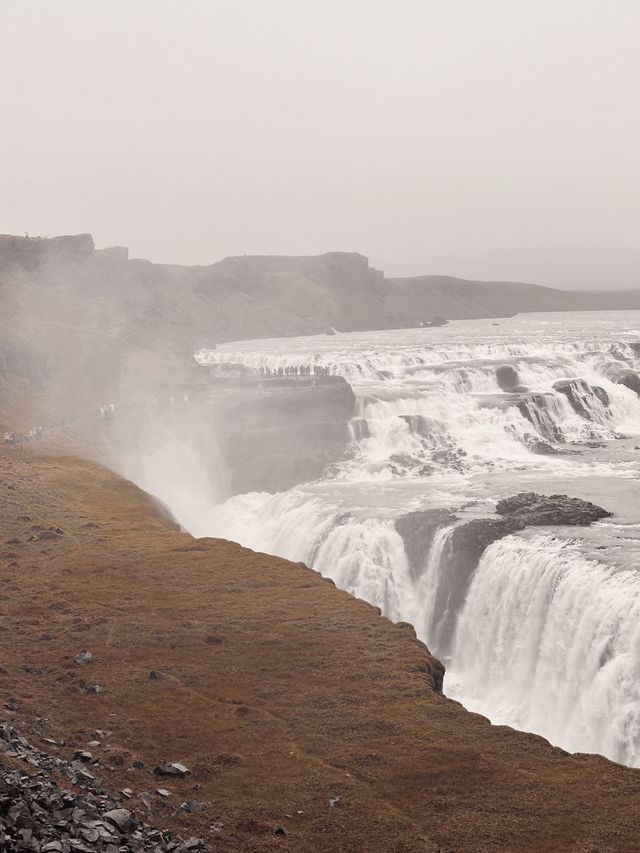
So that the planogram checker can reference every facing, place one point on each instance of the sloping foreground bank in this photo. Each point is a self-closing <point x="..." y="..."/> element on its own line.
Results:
<point x="307" y="722"/>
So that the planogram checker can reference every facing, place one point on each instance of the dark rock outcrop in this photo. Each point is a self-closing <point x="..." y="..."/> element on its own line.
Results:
<point x="631" y="380"/>
<point x="531" y="509"/>
<point x="30" y="253"/>
<point x="417" y="530"/>
<point x="359" y="429"/>
<point x="507" y="377"/>
<point x="276" y="433"/>
<point x="542" y="448"/>
<point x="418" y="424"/>
<point x="537" y="408"/>
<point x="465" y="546"/>
<point x="582" y="396"/>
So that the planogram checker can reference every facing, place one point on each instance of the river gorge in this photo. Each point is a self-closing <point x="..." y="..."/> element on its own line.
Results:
<point x="537" y="626"/>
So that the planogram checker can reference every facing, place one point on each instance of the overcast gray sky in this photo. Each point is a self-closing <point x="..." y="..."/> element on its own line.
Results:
<point x="481" y="138"/>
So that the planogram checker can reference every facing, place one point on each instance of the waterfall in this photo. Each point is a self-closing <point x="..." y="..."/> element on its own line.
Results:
<point x="548" y="641"/>
<point x="428" y="587"/>
<point x="537" y="634"/>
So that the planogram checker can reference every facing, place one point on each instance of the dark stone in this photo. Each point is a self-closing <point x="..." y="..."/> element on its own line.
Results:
<point x="359" y="429"/>
<point x="536" y="409"/>
<point x="542" y="448"/>
<point x="417" y="530"/>
<point x="418" y="424"/>
<point x="192" y="807"/>
<point x="173" y="769"/>
<point x="437" y="671"/>
<point x="46" y="534"/>
<point x="122" y="818"/>
<point x="82" y="755"/>
<point x="507" y="377"/>
<point x="532" y="509"/>
<point x="630" y="380"/>
<point x="581" y="396"/>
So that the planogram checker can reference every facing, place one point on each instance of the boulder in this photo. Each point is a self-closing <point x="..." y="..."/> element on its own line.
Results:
<point x="171" y="769"/>
<point x="507" y="377"/>
<point x="531" y="509"/>
<point x="631" y="380"/>
<point x="120" y="818"/>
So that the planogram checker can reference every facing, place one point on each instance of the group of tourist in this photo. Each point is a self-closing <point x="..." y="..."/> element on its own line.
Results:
<point x="296" y="370"/>
<point x="34" y="434"/>
<point x="107" y="410"/>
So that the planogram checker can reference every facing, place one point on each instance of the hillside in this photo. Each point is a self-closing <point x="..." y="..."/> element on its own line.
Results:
<point x="307" y="721"/>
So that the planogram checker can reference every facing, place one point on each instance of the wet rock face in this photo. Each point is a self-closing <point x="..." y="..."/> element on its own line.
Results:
<point x="283" y="431"/>
<point x="531" y="509"/>
<point x="507" y="378"/>
<point x="466" y="545"/>
<point x="536" y="409"/>
<point x="467" y="542"/>
<point x="630" y="380"/>
<point x="582" y="396"/>
<point x="417" y="530"/>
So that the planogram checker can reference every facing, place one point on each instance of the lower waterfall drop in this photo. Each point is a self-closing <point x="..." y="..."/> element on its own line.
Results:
<point x="548" y="642"/>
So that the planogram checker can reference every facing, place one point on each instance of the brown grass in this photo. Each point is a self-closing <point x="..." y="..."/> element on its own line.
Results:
<point x="279" y="691"/>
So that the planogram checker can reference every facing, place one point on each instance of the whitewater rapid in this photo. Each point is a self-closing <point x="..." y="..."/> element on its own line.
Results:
<point x="547" y="638"/>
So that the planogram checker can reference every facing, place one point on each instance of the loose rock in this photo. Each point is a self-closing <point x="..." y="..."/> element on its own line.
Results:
<point x="36" y="814"/>
<point x="173" y="769"/>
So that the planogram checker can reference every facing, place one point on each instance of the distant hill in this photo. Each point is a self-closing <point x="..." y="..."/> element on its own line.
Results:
<point x="254" y="296"/>
<point x="98" y="314"/>
<point x="459" y="298"/>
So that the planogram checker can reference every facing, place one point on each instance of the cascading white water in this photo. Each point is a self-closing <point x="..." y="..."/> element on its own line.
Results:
<point x="428" y="586"/>
<point x="549" y="641"/>
<point x="546" y="639"/>
<point x="364" y="556"/>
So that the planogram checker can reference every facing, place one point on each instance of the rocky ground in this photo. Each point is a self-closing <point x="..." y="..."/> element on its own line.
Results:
<point x="60" y="808"/>
<point x="306" y="721"/>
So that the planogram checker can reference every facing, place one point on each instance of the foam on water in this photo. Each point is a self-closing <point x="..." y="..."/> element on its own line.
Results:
<point x="548" y="636"/>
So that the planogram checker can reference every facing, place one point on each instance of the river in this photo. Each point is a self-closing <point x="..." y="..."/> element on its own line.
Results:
<point x="548" y="636"/>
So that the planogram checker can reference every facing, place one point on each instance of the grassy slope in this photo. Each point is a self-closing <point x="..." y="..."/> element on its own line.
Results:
<point x="280" y="692"/>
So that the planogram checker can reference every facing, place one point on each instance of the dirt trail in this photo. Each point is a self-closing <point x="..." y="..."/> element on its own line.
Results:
<point x="280" y="693"/>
